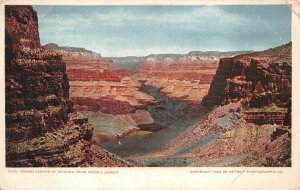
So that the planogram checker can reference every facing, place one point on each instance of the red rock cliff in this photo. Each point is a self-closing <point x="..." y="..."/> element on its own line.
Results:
<point x="42" y="128"/>
<point x="97" y="85"/>
<point x="261" y="80"/>
<point x="180" y="77"/>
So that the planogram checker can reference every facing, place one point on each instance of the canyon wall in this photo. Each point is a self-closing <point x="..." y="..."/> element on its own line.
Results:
<point x="96" y="85"/>
<point x="42" y="128"/>
<point x="257" y="78"/>
<point x="261" y="81"/>
<point x="184" y="77"/>
<point x="179" y="77"/>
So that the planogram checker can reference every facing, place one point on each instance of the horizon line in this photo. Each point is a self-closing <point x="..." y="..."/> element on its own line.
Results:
<point x="169" y="53"/>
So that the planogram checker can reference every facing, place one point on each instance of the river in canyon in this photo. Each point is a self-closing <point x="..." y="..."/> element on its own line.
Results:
<point x="173" y="115"/>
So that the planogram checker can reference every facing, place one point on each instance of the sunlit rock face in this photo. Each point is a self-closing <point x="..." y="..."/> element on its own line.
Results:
<point x="42" y="128"/>
<point x="185" y="77"/>
<point x="97" y="88"/>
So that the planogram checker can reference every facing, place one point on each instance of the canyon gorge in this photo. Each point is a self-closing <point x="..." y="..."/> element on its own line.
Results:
<point x="69" y="106"/>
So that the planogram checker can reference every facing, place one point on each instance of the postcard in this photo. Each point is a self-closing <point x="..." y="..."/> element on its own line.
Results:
<point x="150" y="95"/>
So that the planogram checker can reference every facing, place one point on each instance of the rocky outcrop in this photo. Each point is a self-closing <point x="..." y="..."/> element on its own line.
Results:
<point x="216" y="91"/>
<point x="69" y="146"/>
<point x="25" y="19"/>
<point x="42" y="128"/>
<point x="258" y="80"/>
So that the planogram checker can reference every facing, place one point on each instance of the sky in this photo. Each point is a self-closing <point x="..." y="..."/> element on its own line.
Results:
<point x="144" y="30"/>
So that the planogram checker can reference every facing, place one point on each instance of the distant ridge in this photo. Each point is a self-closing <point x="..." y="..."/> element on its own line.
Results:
<point x="66" y="48"/>
<point x="219" y="53"/>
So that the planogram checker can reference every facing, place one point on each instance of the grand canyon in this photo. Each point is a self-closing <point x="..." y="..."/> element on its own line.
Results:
<point x="72" y="107"/>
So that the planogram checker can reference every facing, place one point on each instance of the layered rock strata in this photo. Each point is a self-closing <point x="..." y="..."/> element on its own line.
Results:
<point x="42" y="128"/>
<point x="184" y="78"/>
<point x="96" y="85"/>
<point x="261" y="81"/>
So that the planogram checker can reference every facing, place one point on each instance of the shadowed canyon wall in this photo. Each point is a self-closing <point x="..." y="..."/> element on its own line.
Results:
<point x="42" y="128"/>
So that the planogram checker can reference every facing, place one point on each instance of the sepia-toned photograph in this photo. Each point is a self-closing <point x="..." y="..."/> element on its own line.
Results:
<point x="148" y="86"/>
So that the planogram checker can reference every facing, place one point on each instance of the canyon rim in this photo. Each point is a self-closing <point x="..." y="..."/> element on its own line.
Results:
<point x="200" y="86"/>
